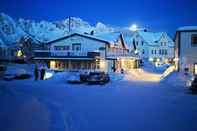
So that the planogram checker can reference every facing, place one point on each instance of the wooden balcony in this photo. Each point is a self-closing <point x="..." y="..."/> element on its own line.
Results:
<point x="47" y="54"/>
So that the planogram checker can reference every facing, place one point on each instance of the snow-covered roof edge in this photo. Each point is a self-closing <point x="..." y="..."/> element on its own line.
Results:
<point x="187" y="28"/>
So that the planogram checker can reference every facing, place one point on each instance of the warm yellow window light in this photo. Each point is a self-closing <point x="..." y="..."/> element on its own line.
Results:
<point x="19" y="53"/>
<point x="195" y="69"/>
<point x="52" y="64"/>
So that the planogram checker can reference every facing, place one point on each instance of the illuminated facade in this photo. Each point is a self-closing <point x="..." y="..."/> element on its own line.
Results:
<point x="104" y="52"/>
<point x="186" y="49"/>
<point x="154" y="46"/>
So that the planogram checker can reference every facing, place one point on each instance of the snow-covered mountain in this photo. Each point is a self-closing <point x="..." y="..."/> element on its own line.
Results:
<point x="11" y="30"/>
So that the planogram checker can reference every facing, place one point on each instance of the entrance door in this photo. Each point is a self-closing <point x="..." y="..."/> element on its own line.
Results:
<point x="195" y="68"/>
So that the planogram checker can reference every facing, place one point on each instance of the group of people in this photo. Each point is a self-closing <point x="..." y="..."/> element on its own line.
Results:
<point x="42" y="72"/>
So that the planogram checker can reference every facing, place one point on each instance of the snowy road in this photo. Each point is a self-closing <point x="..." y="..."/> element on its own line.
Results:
<point x="118" y="106"/>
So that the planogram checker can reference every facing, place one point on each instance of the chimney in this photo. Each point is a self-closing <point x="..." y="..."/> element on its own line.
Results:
<point x="92" y="32"/>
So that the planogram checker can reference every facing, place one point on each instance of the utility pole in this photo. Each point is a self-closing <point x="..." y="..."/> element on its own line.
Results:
<point x="69" y="24"/>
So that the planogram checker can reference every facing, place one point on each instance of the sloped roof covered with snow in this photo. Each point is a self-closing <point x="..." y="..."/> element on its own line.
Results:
<point x="110" y="37"/>
<point x="104" y="37"/>
<point x="153" y="37"/>
<point x="187" y="28"/>
<point x="128" y="42"/>
<point x="150" y="37"/>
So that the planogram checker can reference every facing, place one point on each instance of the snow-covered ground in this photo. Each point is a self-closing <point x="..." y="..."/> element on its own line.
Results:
<point x="124" y="104"/>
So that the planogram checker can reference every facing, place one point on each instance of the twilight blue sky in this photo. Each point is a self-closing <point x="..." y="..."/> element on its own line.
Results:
<point x="158" y="15"/>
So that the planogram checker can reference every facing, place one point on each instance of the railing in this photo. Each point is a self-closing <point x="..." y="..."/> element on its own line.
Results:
<point x="48" y="53"/>
<point x="113" y="54"/>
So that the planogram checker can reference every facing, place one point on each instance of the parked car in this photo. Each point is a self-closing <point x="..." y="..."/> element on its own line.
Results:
<point x="2" y="70"/>
<point x="192" y="83"/>
<point x="98" y="78"/>
<point x="22" y="74"/>
<point x="74" y="79"/>
<point x="18" y="75"/>
<point x="9" y="77"/>
<point x="84" y="76"/>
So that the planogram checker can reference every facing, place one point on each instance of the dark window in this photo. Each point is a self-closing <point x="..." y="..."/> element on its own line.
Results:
<point x="166" y="52"/>
<point x="142" y="43"/>
<point x="76" y="47"/>
<point x="155" y="51"/>
<point x="160" y="51"/>
<point x="143" y="52"/>
<point x="57" y="48"/>
<point x="133" y="42"/>
<point x="194" y="39"/>
<point x="67" y="47"/>
<point x="136" y="42"/>
<point x="61" y="48"/>
<point x="152" y="52"/>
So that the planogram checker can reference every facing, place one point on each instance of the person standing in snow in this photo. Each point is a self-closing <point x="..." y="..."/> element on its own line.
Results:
<point x="42" y="73"/>
<point x="122" y="71"/>
<point x="36" y="73"/>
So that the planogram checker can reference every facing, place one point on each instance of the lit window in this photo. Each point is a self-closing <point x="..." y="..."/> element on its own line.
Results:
<point x="19" y="53"/>
<point x="195" y="68"/>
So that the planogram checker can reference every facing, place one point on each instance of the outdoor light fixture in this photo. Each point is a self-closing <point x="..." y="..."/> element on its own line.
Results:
<point x="151" y="59"/>
<point x="19" y="53"/>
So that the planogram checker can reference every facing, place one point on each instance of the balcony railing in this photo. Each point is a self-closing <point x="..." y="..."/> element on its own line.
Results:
<point x="116" y="54"/>
<point x="65" y="54"/>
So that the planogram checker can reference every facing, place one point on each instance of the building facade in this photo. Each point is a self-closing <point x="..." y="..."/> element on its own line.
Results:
<point x="104" y="52"/>
<point x="186" y="49"/>
<point x="153" y="46"/>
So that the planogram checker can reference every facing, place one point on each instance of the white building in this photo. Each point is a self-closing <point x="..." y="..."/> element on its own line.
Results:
<point x="186" y="49"/>
<point x="105" y="52"/>
<point x="154" y="46"/>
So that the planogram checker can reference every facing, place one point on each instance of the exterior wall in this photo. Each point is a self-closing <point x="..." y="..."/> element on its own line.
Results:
<point x="104" y="62"/>
<point x="4" y="53"/>
<point x="87" y="45"/>
<point x="152" y="50"/>
<point x="188" y="52"/>
<point x="141" y="46"/>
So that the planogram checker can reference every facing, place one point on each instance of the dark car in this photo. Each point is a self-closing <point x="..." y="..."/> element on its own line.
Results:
<point x="74" y="78"/>
<point x="22" y="76"/>
<point x="98" y="78"/>
<point x="2" y="70"/>
<point x="192" y="84"/>
<point x="84" y="76"/>
<point x="9" y="77"/>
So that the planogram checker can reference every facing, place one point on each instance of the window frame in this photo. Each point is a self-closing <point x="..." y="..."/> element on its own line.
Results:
<point x="192" y="40"/>
<point x="76" y="44"/>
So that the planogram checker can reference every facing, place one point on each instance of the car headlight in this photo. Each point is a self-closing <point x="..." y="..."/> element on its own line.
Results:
<point x="189" y="83"/>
